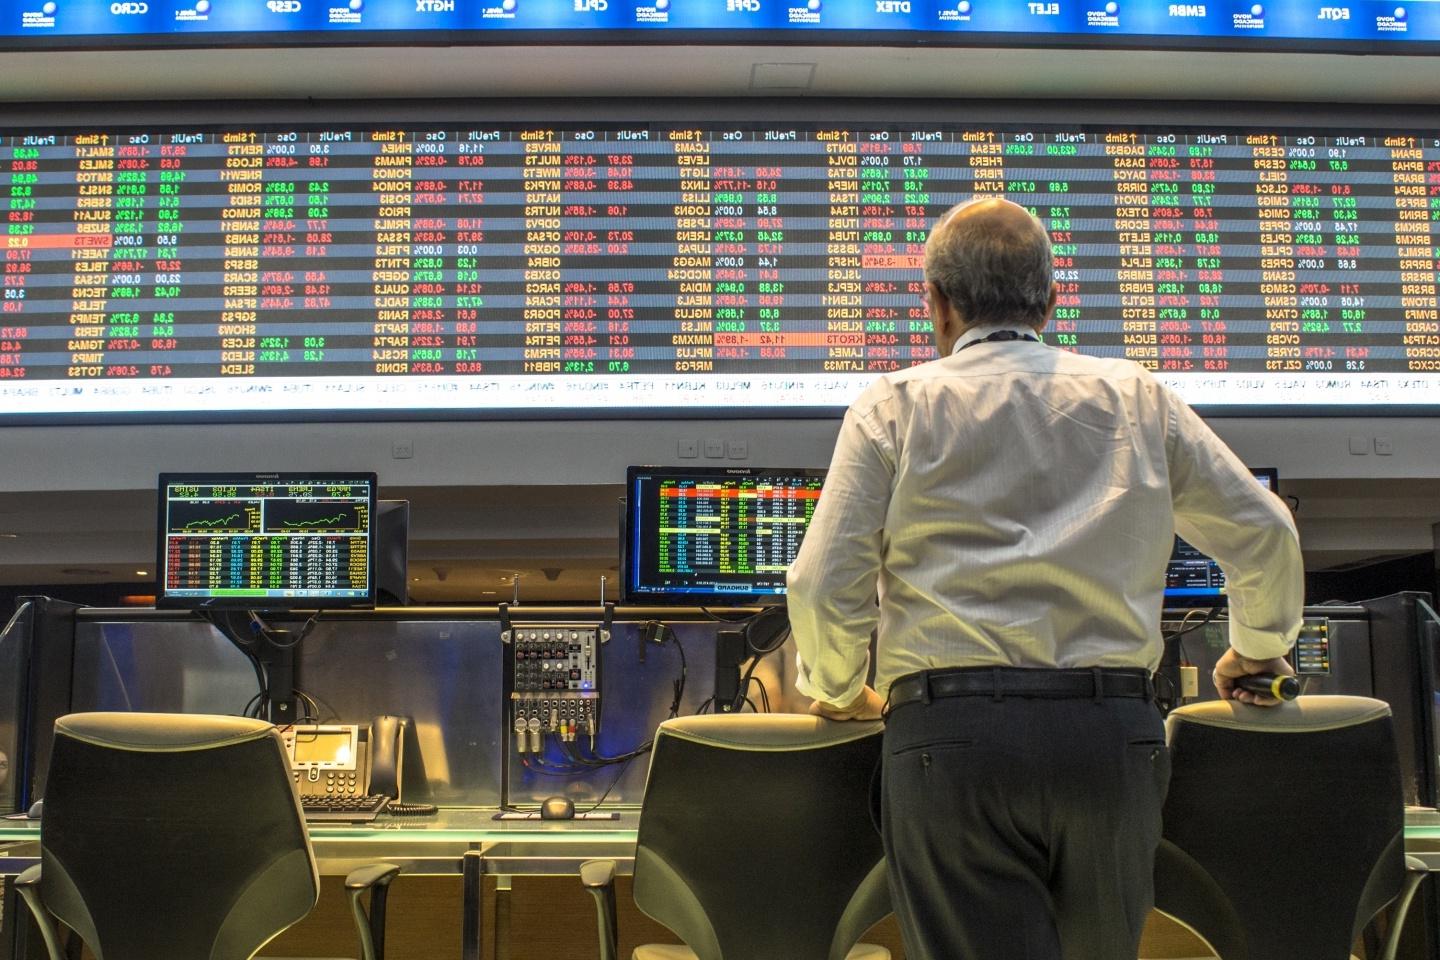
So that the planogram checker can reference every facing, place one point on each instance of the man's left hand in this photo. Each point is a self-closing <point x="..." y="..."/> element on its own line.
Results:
<point x="867" y="706"/>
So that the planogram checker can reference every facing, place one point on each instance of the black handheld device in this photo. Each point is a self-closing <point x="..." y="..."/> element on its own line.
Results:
<point x="1270" y="685"/>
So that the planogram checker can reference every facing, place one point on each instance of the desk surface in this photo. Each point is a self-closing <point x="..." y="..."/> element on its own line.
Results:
<point x="432" y="844"/>
<point x="437" y="844"/>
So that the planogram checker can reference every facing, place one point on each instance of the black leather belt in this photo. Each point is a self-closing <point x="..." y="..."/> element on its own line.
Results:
<point x="1000" y="682"/>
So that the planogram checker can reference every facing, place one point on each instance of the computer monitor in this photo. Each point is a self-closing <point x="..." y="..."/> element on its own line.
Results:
<point x="266" y="541"/>
<point x="713" y="535"/>
<point x="1194" y="580"/>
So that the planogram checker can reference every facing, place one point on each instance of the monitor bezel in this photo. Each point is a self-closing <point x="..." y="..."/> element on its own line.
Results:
<point x="628" y="558"/>
<point x="1193" y="601"/>
<point x="170" y="602"/>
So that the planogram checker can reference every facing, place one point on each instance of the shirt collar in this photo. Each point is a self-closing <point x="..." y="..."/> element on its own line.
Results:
<point x="984" y="330"/>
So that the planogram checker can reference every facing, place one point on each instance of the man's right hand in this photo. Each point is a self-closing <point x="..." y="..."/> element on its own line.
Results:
<point x="1232" y="667"/>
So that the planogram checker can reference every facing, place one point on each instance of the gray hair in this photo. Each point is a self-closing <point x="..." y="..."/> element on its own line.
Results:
<point x="992" y="269"/>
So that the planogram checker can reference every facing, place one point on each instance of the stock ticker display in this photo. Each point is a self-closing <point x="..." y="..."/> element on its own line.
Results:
<point x="275" y="541"/>
<point x="570" y="268"/>
<point x="1236" y="23"/>
<point x="714" y="533"/>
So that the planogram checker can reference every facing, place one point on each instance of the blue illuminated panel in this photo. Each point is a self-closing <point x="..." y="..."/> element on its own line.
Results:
<point x="1234" y="23"/>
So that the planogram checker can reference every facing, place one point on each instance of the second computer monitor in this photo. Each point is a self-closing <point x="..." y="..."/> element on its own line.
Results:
<point x="1194" y="580"/>
<point x="714" y="535"/>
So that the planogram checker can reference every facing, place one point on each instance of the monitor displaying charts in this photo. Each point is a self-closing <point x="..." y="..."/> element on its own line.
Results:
<point x="266" y="540"/>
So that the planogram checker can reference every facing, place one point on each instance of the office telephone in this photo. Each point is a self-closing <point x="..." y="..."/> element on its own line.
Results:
<point x="348" y="772"/>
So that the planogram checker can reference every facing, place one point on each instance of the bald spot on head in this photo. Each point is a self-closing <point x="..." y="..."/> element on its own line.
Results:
<point x="991" y="259"/>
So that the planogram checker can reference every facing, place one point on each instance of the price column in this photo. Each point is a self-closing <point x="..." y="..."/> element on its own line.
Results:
<point x="1205" y="258"/>
<point x="242" y="177"/>
<point x="693" y="264"/>
<point x="479" y="160"/>
<point x="620" y="322"/>
<point x="20" y="177"/>
<point x="1063" y="150"/>
<point x="723" y="515"/>
<point x="317" y="290"/>
<point x="905" y="315"/>
<point x="169" y="277"/>
<point x="745" y="526"/>
<point x="771" y="238"/>
<point x="1347" y="193"/>
<point x="1045" y="188"/>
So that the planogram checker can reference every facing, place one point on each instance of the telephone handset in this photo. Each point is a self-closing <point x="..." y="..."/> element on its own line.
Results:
<point x="387" y="767"/>
<point x="387" y="744"/>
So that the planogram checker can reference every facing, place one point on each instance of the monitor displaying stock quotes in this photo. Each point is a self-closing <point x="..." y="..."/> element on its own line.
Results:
<point x="1240" y="24"/>
<point x="697" y="535"/>
<point x="1194" y="580"/>
<point x="263" y="541"/>
<point x="570" y="269"/>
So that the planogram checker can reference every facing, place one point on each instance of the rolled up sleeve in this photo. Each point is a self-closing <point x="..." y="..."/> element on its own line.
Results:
<point x="832" y="583"/>
<point x="1223" y="512"/>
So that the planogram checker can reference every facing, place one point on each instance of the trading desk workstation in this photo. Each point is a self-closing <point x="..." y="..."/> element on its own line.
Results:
<point x="444" y="739"/>
<point x="460" y="750"/>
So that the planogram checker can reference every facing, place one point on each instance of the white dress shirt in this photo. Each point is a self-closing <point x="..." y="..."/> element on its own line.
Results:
<point x="1014" y="504"/>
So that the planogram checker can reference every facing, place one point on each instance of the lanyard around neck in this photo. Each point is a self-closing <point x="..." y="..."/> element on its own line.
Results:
<point x="1000" y="336"/>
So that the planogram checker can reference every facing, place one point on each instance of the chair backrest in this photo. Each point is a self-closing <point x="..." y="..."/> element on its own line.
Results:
<point x="756" y="840"/>
<point x="1283" y="826"/>
<point x="173" y="837"/>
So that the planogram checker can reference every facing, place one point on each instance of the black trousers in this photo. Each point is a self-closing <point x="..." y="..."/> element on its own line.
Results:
<point x="1023" y="828"/>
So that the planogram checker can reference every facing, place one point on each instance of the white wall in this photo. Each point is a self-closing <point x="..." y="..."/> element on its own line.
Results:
<point x="502" y="453"/>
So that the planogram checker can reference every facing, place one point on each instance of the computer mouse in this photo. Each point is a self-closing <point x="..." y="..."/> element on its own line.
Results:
<point x="557" y="808"/>
<point x="35" y="810"/>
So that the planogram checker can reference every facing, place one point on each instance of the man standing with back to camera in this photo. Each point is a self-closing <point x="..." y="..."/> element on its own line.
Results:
<point x="1014" y="505"/>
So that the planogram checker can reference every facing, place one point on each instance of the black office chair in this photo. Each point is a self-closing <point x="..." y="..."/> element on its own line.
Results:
<point x="755" y="842"/>
<point x="178" y="837"/>
<point x="1284" y="827"/>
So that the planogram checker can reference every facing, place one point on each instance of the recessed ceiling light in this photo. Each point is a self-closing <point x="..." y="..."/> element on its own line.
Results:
<point x="9" y="536"/>
<point x="142" y="573"/>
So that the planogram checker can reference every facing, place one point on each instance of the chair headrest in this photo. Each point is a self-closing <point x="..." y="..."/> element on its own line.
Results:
<point x="1301" y="715"/>
<point x="160" y="732"/>
<point x="768" y="731"/>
